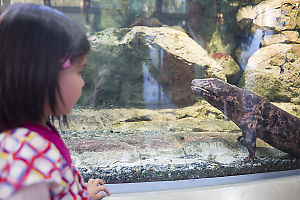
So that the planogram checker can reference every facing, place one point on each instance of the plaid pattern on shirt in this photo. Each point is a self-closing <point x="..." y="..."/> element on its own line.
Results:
<point x="27" y="158"/>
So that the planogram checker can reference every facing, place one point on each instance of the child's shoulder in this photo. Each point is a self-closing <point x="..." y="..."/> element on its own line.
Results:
<point x="27" y="158"/>
<point x="29" y="146"/>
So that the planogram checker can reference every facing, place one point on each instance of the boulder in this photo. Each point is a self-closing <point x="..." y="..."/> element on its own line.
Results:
<point x="273" y="72"/>
<point x="182" y="46"/>
<point x="275" y="15"/>
<point x="119" y="57"/>
<point x="282" y="37"/>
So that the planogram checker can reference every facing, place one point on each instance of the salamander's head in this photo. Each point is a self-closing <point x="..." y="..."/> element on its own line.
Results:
<point x="208" y="87"/>
<point x="213" y="90"/>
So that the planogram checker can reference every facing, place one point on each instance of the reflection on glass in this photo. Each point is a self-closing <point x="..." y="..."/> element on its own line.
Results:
<point x="138" y="119"/>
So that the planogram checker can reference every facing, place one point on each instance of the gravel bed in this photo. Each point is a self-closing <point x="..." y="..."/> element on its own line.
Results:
<point x="147" y="173"/>
<point x="88" y="149"/>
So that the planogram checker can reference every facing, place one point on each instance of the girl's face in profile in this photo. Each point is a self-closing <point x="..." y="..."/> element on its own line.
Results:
<point x="70" y="84"/>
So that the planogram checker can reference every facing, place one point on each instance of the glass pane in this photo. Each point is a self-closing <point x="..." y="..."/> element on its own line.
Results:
<point x="138" y="119"/>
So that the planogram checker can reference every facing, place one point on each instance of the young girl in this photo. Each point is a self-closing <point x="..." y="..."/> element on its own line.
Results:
<point x="42" y="55"/>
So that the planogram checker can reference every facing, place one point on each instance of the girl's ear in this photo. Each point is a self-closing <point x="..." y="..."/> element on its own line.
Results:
<point x="67" y="64"/>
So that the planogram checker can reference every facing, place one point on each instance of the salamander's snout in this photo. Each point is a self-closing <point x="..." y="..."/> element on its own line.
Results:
<point x="195" y="82"/>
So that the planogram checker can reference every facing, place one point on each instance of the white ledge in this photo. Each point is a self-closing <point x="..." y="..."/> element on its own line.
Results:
<point x="264" y="186"/>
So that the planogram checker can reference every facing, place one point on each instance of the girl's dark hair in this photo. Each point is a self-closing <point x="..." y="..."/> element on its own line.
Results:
<point x="34" y="41"/>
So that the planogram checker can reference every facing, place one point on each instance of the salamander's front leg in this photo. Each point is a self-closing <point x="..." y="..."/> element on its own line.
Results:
<point x="248" y="139"/>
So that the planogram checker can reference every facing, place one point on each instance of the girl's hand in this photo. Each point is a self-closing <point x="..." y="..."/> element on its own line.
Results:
<point x="94" y="186"/>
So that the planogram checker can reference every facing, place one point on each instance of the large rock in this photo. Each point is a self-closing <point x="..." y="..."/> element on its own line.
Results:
<point x="275" y="15"/>
<point x="282" y="37"/>
<point x="273" y="72"/>
<point x="277" y="20"/>
<point x="181" y="45"/>
<point x="119" y="57"/>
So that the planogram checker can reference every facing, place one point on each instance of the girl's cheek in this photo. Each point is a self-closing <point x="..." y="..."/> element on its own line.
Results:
<point x="82" y="81"/>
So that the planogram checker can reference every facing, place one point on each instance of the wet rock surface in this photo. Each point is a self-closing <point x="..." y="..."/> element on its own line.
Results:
<point x="164" y="144"/>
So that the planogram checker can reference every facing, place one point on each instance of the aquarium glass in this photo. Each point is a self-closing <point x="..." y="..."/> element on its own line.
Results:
<point x="138" y="118"/>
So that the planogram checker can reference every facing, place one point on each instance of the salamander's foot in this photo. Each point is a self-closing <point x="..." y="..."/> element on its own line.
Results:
<point x="253" y="160"/>
<point x="248" y="159"/>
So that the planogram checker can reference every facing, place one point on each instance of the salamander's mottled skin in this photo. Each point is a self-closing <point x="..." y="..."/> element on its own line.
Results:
<point x="255" y="116"/>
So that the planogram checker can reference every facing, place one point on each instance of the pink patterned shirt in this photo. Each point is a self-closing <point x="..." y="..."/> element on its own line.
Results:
<point x="34" y="154"/>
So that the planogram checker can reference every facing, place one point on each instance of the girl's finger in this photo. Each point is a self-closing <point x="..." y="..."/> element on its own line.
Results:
<point x="100" y="195"/>
<point x="104" y="189"/>
<point x="98" y="181"/>
<point x="91" y="181"/>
